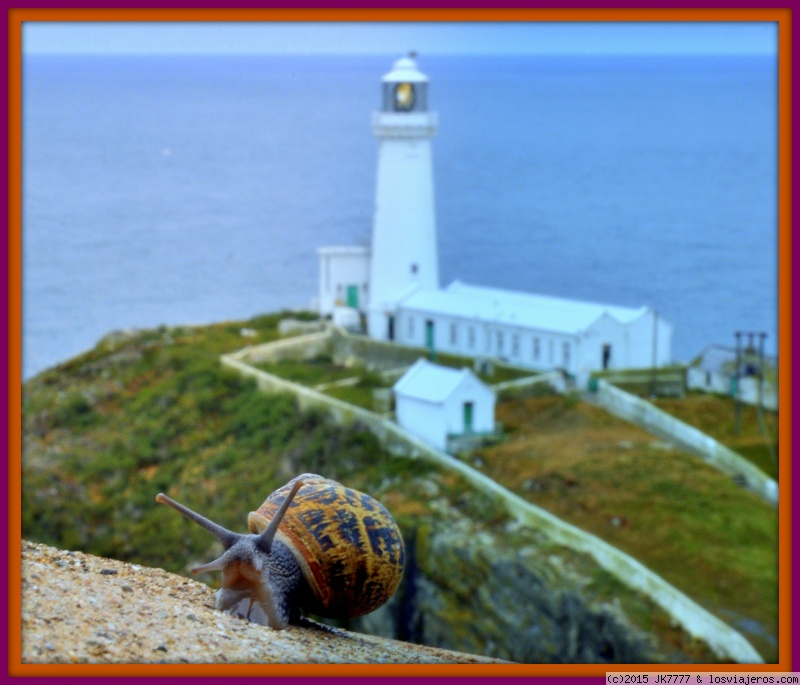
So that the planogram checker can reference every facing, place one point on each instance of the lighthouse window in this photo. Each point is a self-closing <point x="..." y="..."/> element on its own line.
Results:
<point x="414" y="268"/>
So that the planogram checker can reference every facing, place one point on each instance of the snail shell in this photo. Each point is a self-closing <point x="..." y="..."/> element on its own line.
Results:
<point x="315" y="545"/>
<point x="346" y="543"/>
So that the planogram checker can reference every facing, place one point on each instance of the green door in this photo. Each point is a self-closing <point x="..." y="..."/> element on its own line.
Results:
<point x="352" y="296"/>
<point x="429" y="334"/>
<point x="468" y="406"/>
<point x="429" y="339"/>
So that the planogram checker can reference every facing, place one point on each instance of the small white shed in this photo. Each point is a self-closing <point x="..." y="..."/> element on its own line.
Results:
<point x="434" y="402"/>
<point x="343" y="278"/>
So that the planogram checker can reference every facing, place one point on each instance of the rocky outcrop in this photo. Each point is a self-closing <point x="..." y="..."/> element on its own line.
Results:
<point x="471" y="590"/>
<point x="79" y="608"/>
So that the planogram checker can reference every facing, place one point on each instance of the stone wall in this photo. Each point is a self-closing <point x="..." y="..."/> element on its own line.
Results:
<point x="652" y="419"/>
<point x="552" y="379"/>
<point x="296" y="348"/>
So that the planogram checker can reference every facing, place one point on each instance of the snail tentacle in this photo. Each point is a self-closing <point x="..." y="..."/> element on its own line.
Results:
<point x="227" y="537"/>
<point x="266" y="536"/>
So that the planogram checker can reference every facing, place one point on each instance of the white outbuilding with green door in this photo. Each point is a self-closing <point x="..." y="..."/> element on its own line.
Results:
<point x="435" y="402"/>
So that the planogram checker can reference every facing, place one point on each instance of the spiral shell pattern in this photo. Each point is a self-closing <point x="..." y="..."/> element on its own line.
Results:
<point x="347" y="544"/>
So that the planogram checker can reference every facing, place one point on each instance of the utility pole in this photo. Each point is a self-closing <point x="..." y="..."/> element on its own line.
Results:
<point x="655" y="354"/>
<point x="736" y="384"/>
<point x="749" y="356"/>
<point x="762" y="337"/>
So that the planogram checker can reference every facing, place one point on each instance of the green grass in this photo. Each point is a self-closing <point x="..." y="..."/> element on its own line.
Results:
<point x="683" y="519"/>
<point x="716" y="416"/>
<point x="311" y="372"/>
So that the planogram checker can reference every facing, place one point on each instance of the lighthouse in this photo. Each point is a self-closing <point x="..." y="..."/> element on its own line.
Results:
<point x="404" y="252"/>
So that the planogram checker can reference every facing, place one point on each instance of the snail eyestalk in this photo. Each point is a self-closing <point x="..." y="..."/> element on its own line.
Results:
<point x="265" y="538"/>
<point x="226" y="537"/>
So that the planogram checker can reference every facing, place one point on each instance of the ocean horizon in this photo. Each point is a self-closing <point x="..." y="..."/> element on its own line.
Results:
<point x="177" y="190"/>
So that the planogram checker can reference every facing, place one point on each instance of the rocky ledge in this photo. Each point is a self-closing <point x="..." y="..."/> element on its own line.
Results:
<point x="78" y="608"/>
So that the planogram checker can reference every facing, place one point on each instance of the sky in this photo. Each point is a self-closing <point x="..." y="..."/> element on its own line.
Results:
<point x="398" y="37"/>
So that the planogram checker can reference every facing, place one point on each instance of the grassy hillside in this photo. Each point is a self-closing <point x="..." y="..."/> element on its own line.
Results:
<point x="683" y="519"/>
<point x="155" y="411"/>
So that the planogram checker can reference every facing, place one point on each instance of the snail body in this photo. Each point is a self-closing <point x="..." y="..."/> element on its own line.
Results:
<point x="314" y="545"/>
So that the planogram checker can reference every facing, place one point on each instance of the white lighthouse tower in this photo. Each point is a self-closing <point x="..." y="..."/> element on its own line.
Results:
<point x="404" y="252"/>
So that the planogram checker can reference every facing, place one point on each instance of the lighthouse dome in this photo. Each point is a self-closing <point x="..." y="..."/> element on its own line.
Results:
<point x="405" y="69"/>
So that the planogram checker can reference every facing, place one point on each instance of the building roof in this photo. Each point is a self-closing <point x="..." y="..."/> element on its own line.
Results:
<point x="430" y="382"/>
<point x="515" y="308"/>
<point x="405" y="69"/>
<point x="344" y="249"/>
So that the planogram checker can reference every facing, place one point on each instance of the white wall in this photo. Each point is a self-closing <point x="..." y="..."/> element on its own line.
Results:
<point x="631" y="344"/>
<point x="404" y="244"/>
<point x="338" y="269"/>
<point x="641" y="334"/>
<point x="483" y="401"/>
<point x="486" y="340"/>
<point x="720" y="384"/>
<point x="426" y="420"/>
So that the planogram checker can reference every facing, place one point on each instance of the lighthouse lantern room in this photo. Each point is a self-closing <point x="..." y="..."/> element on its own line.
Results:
<point x="404" y="250"/>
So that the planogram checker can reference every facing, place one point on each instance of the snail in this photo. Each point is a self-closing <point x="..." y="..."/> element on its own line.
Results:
<point x="314" y="546"/>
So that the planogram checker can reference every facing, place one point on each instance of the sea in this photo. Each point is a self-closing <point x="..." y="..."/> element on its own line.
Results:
<point x="167" y="190"/>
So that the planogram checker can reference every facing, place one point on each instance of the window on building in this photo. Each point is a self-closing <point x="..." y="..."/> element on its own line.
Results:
<point x="471" y="337"/>
<point x="410" y="326"/>
<point x="551" y="351"/>
<point x="515" y="344"/>
<point x="537" y="351"/>
<point x="414" y="268"/>
<point x="453" y="333"/>
<point x="565" y="354"/>
<point x="499" y="342"/>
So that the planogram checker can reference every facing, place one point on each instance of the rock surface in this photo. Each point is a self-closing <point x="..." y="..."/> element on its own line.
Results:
<point x="78" y="608"/>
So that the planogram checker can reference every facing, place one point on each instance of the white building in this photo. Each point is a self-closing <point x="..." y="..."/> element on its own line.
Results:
<point x="715" y="372"/>
<point x="401" y="298"/>
<point x="343" y="278"/>
<point x="533" y="331"/>
<point x="434" y="402"/>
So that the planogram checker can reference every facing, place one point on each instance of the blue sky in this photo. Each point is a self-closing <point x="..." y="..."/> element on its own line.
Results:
<point x="397" y="37"/>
